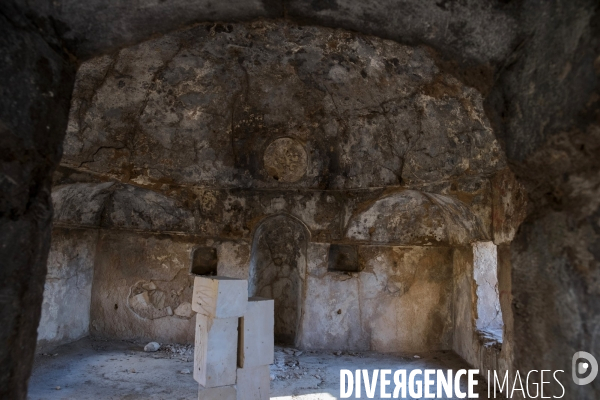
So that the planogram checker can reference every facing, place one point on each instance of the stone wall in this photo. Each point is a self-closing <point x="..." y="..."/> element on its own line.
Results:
<point x="142" y="288"/>
<point x="400" y="301"/>
<point x="483" y="319"/>
<point x="68" y="289"/>
<point x="485" y="266"/>
<point x="276" y="105"/>
<point x="226" y="135"/>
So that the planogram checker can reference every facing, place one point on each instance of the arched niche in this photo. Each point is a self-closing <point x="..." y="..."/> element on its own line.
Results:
<point x="277" y="271"/>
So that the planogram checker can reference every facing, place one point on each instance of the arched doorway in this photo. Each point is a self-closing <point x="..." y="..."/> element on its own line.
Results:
<point x="277" y="270"/>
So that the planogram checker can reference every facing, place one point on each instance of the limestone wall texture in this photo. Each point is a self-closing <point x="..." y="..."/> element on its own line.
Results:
<point x="223" y="135"/>
<point x="68" y="288"/>
<point x="536" y="64"/>
<point x="400" y="301"/>
<point x="485" y="267"/>
<point x="200" y="107"/>
<point x="483" y="325"/>
<point x="142" y="288"/>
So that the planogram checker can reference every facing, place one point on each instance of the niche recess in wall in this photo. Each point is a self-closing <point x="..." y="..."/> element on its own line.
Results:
<point x="204" y="261"/>
<point x="489" y="314"/>
<point x="277" y="271"/>
<point x="343" y="258"/>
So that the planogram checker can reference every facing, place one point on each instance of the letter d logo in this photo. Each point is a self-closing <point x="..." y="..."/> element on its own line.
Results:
<point x="580" y="368"/>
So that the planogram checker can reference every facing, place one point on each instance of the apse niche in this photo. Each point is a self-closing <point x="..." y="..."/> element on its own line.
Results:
<point x="345" y="176"/>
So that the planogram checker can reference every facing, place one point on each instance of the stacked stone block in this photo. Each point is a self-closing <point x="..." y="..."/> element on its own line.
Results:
<point x="234" y="340"/>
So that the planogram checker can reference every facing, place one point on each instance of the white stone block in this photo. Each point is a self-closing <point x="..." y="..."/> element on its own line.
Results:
<point x="220" y="297"/>
<point x="215" y="352"/>
<point x="254" y="383"/>
<point x="256" y="337"/>
<point x="218" y="393"/>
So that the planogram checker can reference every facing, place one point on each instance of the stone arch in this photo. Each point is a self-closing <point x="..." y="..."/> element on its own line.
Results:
<point x="278" y="269"/>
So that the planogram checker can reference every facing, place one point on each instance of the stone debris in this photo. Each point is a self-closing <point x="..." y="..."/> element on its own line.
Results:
<point x="286" y="366"/>
<point x="185" y="371"/>
<point x="184" y="310"/>
<point x="152" y="347"/>
<point x="183" y="352"/>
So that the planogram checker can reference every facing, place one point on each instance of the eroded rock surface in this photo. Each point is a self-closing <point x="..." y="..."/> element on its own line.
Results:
<point x="267" y="142"/>
<point x="200" y="107"/>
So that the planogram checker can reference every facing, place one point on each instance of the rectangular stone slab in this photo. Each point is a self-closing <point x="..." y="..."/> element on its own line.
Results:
<point x="254" y="383"/>
<point x="215" y="351"/>
<point x="256" y="346"/>
<point x="219" y="296"/>
<point x="218" y="393"/>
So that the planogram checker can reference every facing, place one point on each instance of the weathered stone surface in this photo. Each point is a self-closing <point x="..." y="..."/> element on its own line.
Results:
<point x="36" y="81"/>
<point x="482" y="349"/>
<point x="119" y="206"/>
<point x="256" y="333"/>
<point x="253" y="383"/>
<point x="474" y="32"/>
<point x="506" y="359"/>
<point x="401" y="301"/>
<point x="406" y="298"/>
<point x="411" y="217"/>
<point x="147" y="210"/>
<point x="368" y="112"/>
<point x="215" y="351"/>
<point x="210" y="213"/>
<point x="457" y="215"/>
<point x="552" y="138"/>
<point x="543" y="282"/>
<point x="68" y="289"/>
<point x="234" y="259"/>
<point x="343" y="258"/>
<point x="80" y="204"/>
<point x="465" y="304"/>
<point x="141" y="283"/>
<point x="285" y="160"/>
<point x="219" y="296"/>
<point x="205" y="261"/>
<point x="485" y="274"/>
<point x="218" y="393"/>
<point x="277" y="271"/>
<point x="509" y="206"/>
<point x="332" y="313"/>
<point x="184" y="310"/>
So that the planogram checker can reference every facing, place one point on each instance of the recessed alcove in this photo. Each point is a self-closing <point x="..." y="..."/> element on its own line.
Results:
<point x="204" y="261"/>
<point x="343" y="258"/>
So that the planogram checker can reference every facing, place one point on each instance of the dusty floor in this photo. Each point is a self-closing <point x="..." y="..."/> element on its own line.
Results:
<point x="96" y="369"/>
